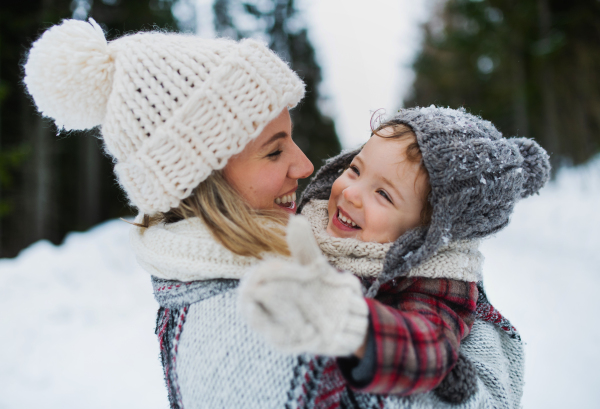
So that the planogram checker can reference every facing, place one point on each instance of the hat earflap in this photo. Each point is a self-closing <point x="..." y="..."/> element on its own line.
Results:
<point x="320" y="185"/>
<point x="419" y="244"/>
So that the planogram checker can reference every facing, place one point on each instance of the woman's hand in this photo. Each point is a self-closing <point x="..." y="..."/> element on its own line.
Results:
<point x="305" y="305"/>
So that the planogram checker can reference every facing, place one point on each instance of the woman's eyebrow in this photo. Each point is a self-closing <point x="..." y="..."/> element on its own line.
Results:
<point x="278" y="135"/>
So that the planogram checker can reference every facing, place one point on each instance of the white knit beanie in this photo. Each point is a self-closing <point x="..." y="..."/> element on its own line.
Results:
<point x="172" y="107"/>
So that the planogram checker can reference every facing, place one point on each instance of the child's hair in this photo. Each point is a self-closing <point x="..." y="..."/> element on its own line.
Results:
<point x="241" y="229"/>
<point x="413" y="154"/>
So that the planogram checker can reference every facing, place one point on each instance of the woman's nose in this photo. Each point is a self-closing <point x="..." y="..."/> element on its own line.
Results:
<point x="352" y="195"/>
<point x="300" y="167"/>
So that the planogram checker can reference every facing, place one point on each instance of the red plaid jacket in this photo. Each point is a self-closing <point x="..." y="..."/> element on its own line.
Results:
<point x="416" y="325"/>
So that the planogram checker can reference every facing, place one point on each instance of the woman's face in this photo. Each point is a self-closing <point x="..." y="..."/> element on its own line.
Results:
<point x="266" y="172"/>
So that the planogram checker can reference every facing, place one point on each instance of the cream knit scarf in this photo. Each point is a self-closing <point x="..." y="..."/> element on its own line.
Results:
<point x="186" y="251"/>
<point x="459" y="260"/>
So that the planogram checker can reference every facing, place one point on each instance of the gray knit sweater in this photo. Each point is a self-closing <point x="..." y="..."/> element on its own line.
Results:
<point x="212" y="359"/>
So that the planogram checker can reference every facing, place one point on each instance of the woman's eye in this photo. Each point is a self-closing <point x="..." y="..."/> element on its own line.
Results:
<point x="385" y="195"/>
<point x="274" y="154"/>
<point x="354" y="169"/>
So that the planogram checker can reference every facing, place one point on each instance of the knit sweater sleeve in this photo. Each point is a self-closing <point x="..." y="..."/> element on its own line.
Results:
<point x="415" y="331"/>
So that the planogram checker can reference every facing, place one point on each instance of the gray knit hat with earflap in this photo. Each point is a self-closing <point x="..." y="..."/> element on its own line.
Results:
<point x="476" y="177"/>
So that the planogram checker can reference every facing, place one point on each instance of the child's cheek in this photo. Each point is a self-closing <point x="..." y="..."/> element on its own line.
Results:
<point x="337" y="188"/>
<point x="336" y="191"/>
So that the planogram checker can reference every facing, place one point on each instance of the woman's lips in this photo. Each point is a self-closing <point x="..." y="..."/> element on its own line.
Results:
<point x="287" y="201"/>
<point x="288" y="207"/>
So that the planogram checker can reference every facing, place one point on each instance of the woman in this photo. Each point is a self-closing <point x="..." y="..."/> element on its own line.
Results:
<point x="201" y="138"/>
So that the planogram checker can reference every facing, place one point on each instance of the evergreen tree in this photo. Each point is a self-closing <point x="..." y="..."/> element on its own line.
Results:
<point x="53" y="183"/>
<point x="26" y="190"/>
<point x="529" y="66"/>
<point x="277" y="22"/>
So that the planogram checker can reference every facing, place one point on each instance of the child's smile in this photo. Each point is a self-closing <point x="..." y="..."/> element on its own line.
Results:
<point x="342" y="221"/>
<point x="381" y="194"/>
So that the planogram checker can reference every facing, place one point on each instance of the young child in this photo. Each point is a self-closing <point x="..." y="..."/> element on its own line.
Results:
<point x="405" y="214"/>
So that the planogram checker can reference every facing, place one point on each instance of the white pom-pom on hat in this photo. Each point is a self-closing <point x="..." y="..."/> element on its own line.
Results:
<point x="69" y="74"/>
<point x="169" y="114"/>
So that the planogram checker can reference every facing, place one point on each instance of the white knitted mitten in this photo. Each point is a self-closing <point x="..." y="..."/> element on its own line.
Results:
<point x="305" y="305"/>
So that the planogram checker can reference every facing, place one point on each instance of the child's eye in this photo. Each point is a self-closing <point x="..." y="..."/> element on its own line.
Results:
<point x="274" y="154"/>
<point x="354" y="169"/>
<point x="385" y="195"/>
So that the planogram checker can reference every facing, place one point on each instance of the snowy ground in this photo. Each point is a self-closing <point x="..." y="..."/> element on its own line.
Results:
<point x="77" y="322"/>
<point x="543" y="273"/>
<point x="78" y="326"/>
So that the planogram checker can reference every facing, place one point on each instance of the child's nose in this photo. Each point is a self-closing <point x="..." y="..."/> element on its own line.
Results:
<point x="352" y="195"/>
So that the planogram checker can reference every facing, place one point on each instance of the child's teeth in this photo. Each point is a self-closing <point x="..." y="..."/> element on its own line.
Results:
<point x="294" y="197"/>
<point x="346" y="220"/>
<point x="278" y="201"/>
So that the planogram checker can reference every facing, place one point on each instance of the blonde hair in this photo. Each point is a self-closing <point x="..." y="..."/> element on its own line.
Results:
<point x="238" y="227"/>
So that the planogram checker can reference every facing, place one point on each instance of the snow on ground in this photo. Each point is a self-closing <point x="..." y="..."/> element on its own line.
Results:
<point x="78" y="326"/>
<point x="78" y="319"/>
<point x="543" y="273"/>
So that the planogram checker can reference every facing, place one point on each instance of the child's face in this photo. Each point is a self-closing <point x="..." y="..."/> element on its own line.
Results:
<point x="381" y="192"/>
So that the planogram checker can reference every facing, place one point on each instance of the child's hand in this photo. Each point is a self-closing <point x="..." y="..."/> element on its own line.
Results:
<point x="305" y="305"/>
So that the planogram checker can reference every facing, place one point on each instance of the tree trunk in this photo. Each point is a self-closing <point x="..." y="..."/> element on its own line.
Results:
<point x="89" y="180"/>
<point x="549" y="118"/>
<point x="521" y="118"/>
<point x="44" y="221"/>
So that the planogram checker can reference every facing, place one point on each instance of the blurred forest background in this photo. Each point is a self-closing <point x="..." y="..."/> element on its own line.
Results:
<point x="532" y="67"/>
<point x="529" y="66"/>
